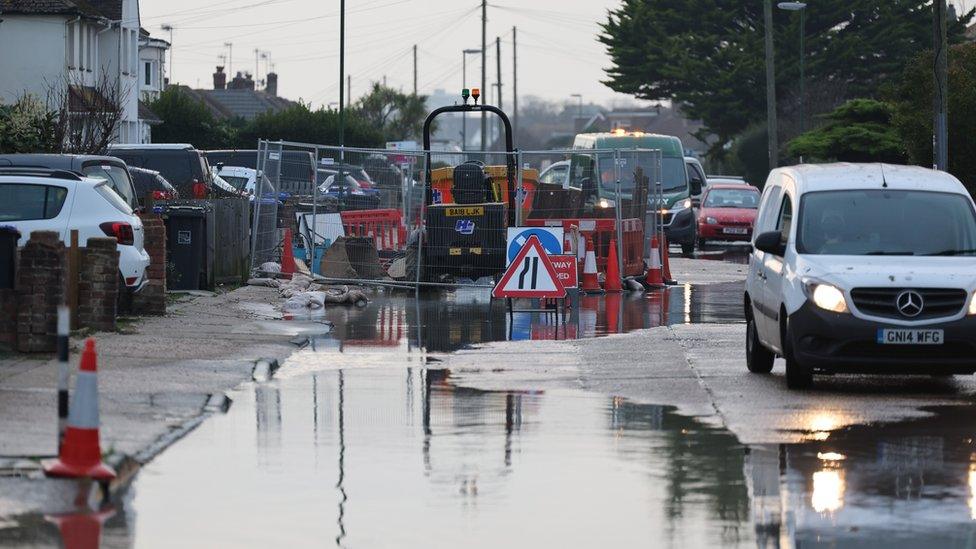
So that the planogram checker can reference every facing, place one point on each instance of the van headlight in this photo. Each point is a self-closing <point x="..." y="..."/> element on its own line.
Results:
<point x="826" y="296"/>
<point x="682" y="205"/>
<point x="972" y="305"/>
<point x="605" y="203"/>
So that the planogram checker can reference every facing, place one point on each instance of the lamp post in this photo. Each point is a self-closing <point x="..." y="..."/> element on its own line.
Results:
<point x="464" y="85"/>
<point x="802" y="8"/>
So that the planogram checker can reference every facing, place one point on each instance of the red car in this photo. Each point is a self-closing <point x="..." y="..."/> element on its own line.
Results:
<point x="728" y="212"/>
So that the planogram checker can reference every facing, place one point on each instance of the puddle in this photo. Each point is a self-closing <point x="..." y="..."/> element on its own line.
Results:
<point x="405" y="458"/>
<point x="310" y="328"/>
<point x="447" y="321"/>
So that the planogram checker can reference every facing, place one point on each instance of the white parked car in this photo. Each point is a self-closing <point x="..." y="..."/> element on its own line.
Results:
<point x="862" y="268"/>
<point x="242" y="179"/>
<point x="36" y="199"/>
<point x="557" y="173"/>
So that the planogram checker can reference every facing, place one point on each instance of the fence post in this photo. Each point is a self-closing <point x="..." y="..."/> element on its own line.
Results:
<point x="74" y="258"/>
<point x="258" y="198"/>
<point x="618" y="212"/>
<point x="519" y="189"/>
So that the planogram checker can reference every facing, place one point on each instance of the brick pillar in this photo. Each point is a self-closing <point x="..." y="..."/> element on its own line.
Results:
<point x="151" y="300"/>
<point x="98" y="284"/>
<point x="40" y="289"/>
<point x="8" y="319"/>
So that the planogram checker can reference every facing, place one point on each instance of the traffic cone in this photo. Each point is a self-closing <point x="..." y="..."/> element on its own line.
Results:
<point x="654" y="276"/>
<point x="590" y="282"/>
<point x="287" y="255"/>
<point x="613" y="283"/>
<point x="665" y="261"/>
<point x="81" y="530"/>
<point x="80" y="455"/>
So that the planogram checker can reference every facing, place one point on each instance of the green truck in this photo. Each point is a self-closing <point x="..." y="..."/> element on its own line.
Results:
<point x="593" y="175"/>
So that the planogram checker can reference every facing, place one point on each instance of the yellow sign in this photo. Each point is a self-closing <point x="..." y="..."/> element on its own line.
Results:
<point x="454" y="251"/>
<point x="465" y="211"/>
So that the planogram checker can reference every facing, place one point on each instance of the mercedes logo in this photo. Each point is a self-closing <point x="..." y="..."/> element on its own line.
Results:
<point x="910" y="303"/>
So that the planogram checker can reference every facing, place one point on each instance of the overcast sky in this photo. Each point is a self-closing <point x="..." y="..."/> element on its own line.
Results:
<point x="558" y="51"/>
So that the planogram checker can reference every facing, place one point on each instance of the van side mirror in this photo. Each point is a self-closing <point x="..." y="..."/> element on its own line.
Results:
<point x="696" y="187"/>
<point x="771" y="243"/>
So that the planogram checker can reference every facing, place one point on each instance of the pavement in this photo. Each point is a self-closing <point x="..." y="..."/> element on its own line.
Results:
<point x="155" y="373"/>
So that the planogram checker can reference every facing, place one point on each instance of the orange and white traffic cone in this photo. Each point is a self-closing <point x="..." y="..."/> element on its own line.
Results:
<point x="665" y="261"/>
<point x="590" y="282"/>
<point x="613" y="282"/>
<point x="80" y="455"/>
<point x="287" y="256"/>
<point x="654" y="277"/>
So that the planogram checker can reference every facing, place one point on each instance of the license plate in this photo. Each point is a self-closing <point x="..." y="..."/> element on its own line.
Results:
<point x="735" y="230"/>
<point x="464" y="211"/>
<point x="910" y="337"/>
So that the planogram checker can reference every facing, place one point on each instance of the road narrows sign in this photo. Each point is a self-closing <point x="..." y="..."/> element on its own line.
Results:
<point x="530" y="274"/>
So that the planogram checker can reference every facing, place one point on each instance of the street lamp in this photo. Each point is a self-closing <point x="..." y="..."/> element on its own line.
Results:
<point x="800" y="7"/>
<point x="464" y="85"/>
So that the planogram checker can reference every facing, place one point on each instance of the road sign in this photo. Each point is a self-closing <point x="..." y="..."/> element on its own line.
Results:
<point x="567" y="272"/>
<point x="530" y="274"/>
<point x="551" y="239"/>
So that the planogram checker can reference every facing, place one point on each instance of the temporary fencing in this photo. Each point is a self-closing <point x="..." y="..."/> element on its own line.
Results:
<point x="442" y="217"/>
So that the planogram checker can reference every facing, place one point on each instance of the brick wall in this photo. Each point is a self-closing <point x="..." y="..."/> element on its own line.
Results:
<point x="152" y="299"/>
<point x="8" y="319"/>
<point x="41" y="288"/>
<point x="98" y="284"/>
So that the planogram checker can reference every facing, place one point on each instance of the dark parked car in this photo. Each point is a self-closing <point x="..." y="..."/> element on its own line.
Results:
<point x="182" y="165"/>
<point x="347" y="196"/>
<point x="295" y="168"/>
<point x="111" y="169"/>
<point x="152" y="182"/>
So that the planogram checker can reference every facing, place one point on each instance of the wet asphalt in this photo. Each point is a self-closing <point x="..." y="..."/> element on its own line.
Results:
<point x="369" y="437"/>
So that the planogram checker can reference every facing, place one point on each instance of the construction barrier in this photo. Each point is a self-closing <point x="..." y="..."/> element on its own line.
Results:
<point x="602" y="232"/>
<point x="384" y="226"/>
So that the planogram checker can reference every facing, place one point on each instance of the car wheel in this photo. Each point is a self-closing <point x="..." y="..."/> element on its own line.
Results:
<point x="688" y="249"/>
<point x="759" y="359"/>
<point x="798" y="376"/>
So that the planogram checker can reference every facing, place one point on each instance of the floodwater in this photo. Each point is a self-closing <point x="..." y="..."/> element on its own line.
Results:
<point x="361" y="441"/>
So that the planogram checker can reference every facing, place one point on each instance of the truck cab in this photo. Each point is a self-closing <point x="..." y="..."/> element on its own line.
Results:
<point x="593" y="174"/>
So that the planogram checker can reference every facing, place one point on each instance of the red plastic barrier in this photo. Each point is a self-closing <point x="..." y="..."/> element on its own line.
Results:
<point x="385" y="226"/>
<point x="602" y="231"/>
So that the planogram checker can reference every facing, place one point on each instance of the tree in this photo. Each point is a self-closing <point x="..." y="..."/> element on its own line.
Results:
<point x="399" y="116"/>
<point x="27" y="126"/>
<point x="708" y="54"/>
<point x="860" y="130"/>
<point x="303" y="125"/>
<point x="187" y="120"/>
<point x="911" y="99"/>
<point x="87" y="117"/>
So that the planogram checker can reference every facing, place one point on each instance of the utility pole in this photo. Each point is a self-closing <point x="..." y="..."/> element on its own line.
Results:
<point x="230" y="58"/>
<point x="348" y="87"/>
<point x="770" y="87"/>
<point x="484" y="73"/>
<point x="514" y="88"/>
<point x="940" y="99"/>
<point x="342" y="75"/>
<point x="257" y="55"/>
<point x="415" y="69"/>
<point x="498" y="79"/>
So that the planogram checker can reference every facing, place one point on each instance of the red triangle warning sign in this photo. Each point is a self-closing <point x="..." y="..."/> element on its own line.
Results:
<point x="530" y="274"/>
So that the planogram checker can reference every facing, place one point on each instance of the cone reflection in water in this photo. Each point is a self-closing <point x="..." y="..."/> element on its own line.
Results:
<point x="287" y="255"/>
<point x="81" y="454"/>
<point x="588" y="312"/>
<point x="81" y="530"/>
<point x="613" y="309"/>
<point x="613" y="283"/>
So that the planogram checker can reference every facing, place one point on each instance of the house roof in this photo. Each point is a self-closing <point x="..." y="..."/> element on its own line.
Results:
<point x="111" y="9"/>
<point x="246" y="104"/>
<point x="147" y="115"/>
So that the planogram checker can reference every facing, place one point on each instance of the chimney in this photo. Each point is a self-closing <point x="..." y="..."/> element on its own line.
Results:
<point x="219" y="79"/>
<point x="242" y="81"/>
<point x="272" y="86"/>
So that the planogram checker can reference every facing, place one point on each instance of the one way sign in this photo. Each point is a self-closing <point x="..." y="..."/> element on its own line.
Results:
<point x="530" y="274"/>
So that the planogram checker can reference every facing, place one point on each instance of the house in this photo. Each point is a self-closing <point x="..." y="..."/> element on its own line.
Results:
<point x="240" y="97"/>
<point x="74" y="51"/>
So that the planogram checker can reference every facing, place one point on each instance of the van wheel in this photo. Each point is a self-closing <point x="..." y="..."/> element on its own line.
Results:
<point x="688" y="250"/>
<point x="759" y="359"/>
<point x="798" y="376"/>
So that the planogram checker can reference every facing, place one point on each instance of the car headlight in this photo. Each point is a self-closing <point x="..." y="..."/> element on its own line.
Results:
<point x="711" y="221"/>
<point x="972" y="306"/>
<point x="826" y="296"/>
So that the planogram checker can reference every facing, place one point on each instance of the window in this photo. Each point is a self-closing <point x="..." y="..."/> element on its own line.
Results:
<point x="91" y="49"/>
<point x="147" y="73"/>
<point x="82" y="47"/>
<point x="768" y="207"/>
<point x="785" y="222"/>
<point x="25" y="202"/>
<point x="116" y="177"/>
<point x="732" y="198"/>
<point x="886" y="222"/>
<point x="72" y="49"/>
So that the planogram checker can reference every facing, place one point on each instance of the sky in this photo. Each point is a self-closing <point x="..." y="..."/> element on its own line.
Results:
<point x="558" y="54"/>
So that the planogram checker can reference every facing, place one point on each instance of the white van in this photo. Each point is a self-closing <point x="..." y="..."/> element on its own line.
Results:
<point x="862" y="268"/>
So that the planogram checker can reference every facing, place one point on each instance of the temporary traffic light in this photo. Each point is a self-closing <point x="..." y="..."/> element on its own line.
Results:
<point x="465" y="93"/>
<point x="475" y="93"/>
